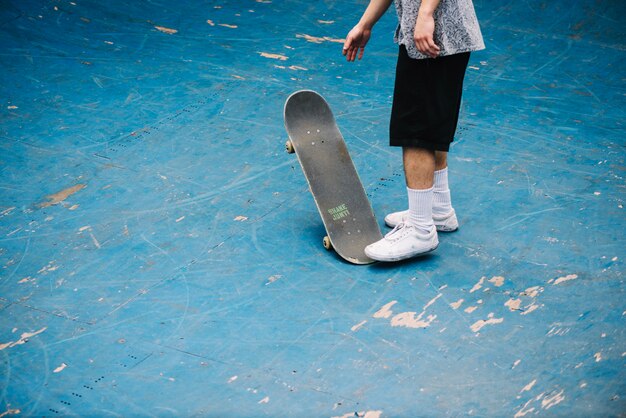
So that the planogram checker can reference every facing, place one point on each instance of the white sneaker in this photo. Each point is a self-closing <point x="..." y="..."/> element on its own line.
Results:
<point x="445" y="223"/>
<point x="404" y="241"/>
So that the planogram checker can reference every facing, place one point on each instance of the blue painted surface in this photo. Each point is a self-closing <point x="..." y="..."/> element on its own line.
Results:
<point x="186" y="277"/>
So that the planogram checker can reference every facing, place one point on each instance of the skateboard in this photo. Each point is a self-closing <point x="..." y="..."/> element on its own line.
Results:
<point x="333" y="180"/>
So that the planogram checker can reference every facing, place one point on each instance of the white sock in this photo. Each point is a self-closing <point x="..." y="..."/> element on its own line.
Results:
<point x="442" y="203"/>
<point x="420" y="209"/>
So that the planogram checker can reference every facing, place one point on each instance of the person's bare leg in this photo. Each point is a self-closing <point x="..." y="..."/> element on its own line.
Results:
<point x="419" y="167"/>
<point x="441" y="160"/>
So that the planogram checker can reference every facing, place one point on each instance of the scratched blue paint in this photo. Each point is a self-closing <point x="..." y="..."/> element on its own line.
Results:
<point x="188" y="279"/>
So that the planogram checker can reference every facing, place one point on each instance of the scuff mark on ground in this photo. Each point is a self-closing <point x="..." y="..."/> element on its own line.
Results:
<point x="55" y="199"/>
<point x="547" y="401"/>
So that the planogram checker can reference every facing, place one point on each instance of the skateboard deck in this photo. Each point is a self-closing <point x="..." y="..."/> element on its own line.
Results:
<point x="333" y="180"/>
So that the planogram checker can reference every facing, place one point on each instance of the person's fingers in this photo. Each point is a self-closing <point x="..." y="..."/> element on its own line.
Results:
<point x="433" y="49"/>
<point x="427" y="47"/>
<point x="421" y="46"/>
<point x="347" y="45"/>
<point x="350" y="55"/>
<point x="361" y="52"/>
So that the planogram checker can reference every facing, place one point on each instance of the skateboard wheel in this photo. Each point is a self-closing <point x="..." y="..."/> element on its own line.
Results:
<point x="289" y="147"/>
<point x="326" y="243"/>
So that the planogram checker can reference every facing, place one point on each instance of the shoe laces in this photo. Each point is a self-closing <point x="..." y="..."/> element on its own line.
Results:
<point x="397" y="232"/>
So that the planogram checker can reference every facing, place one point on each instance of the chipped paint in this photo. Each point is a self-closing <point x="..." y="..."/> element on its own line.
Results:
<point x="232" y="379"/>
<point x="358" y="326"/>
<point x="166" y="30"/>
<point x="433" y="300"/>
<point x="528" y="386"/>
<point x="60" y="368"/>
<point x="457" y="304"/>
<point x="409" y="320"/>
<point x="532" y="292"/>
<point x="240" y="218"/>
<point x="319" y="40"/>
<point x="10" y="412"/>
<point x="7" y="211"/>
<point x="385" y="311"/>
<point x="49" y="268"/>
<point x="478" y="285"/>
<point x="470" y="309"/>
<point x="513" y="304"/>
<point x="273" y="278"/>
<point x="265" y="400"/>
<point x="478" y="325"/>
<point x="525" y="410"/>
<point x="279" y="57"/>
<point x="530" y="308"/>
<point x="549" y="402"/>
<point x="362" y="414"/>
<point x="497" y="281"/>
<point x="59" y="197"/>
<point x="23" y="339"/>
<point x="598" y="356"/>
<point x="565" y="278"/>
<point x="226" y="25"/>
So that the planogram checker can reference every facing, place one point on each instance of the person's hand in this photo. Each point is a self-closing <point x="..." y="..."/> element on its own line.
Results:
<point x="355" y="43"/>
<point x="423" y="35"/>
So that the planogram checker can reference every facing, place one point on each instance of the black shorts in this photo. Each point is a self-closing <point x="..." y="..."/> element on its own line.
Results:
<point x="426" y="100"/>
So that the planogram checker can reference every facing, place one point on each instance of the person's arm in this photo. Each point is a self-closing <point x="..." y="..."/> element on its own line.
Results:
<point x="359" y="35"/>
<point x="425" y="28"/>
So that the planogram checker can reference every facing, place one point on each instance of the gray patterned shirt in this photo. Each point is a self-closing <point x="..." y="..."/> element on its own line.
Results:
<point x="456" y="27"/>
